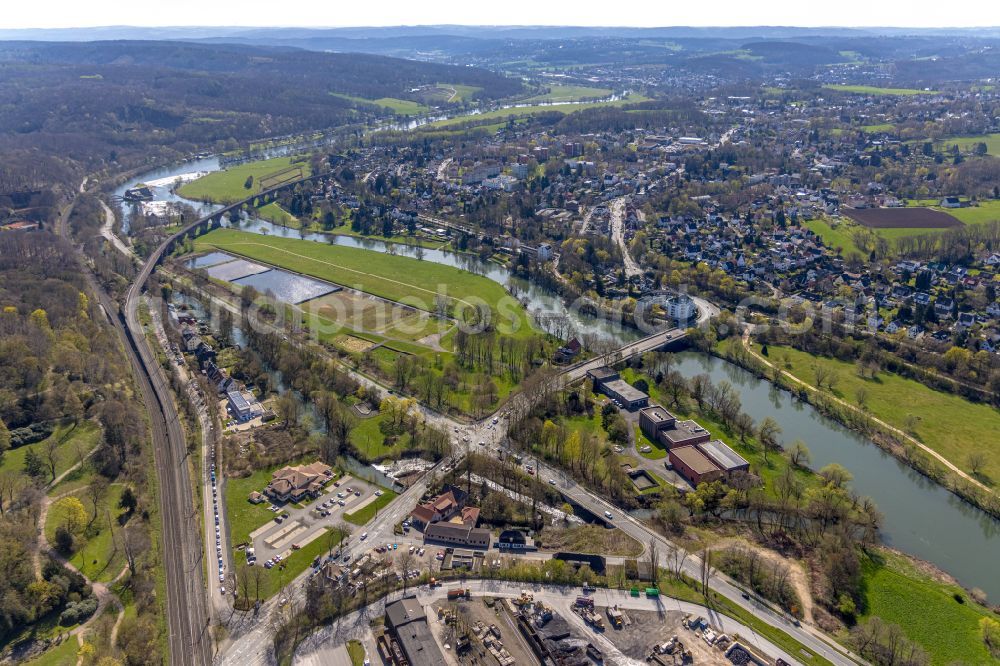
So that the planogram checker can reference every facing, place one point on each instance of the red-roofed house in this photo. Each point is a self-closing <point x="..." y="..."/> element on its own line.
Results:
<point x="442" y="507"/>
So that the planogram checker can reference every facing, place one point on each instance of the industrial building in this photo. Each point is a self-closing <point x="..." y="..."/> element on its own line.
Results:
<point x="406" y="619"/>
<point x="608" y="382"/>
<point x="694" y="465"/>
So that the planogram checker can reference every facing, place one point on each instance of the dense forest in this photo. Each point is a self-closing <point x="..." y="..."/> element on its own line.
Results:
<point x="120" y="104"/>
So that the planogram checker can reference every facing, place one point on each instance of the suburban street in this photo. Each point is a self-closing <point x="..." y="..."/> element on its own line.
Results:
<point x="618" y="236"/>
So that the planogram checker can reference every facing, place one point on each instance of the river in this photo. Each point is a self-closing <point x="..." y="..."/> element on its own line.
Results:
<point x="920" y="517"/>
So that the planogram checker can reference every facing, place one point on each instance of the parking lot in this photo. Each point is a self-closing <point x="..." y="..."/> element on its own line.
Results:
<point x="295" y="526"/>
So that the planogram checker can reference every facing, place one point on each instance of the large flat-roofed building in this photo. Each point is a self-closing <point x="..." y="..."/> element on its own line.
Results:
<point x="628" y="396"/>
<point x="407" y="621"/>
<point x="727" y="460"/>
<point x="683" y="433"/>
<point x="653" y="419"/>
<point x="601" y="375"/>
<point x="238" y="405"/>
<point x="694" y="465"/>
<point x="457" y="534"/>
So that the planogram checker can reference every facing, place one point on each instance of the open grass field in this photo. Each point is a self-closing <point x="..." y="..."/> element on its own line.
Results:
<point x="99" y="558"/>
<point x="926" y="610"/>
<point x="357" y="652"/>
<point x="227" y="186"/>
<point x="984" y="211"/>
<point x="878" y="127"/>
<point x="456" y="92"/>
<point x="590" y="539"/>
<point x="873" y="90"/>
<point x="369" y="440"/>
<point x="835" y="235"/>
<point x="397" y="278"/>
<point x="569" y="93"/>
<point x="60" y="655"/>
<point x="363" y="515"/>
<point x="243" y="516"/>
<point x="402" y="107"/>
<point x="74" y="443"/>
<point x="968" y="143"/>
<point x="903" y="217"/>
<point x="949" y="424"/>
<point x="634" y="98"/>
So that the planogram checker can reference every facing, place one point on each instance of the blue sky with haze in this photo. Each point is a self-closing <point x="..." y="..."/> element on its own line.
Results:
<point x="334" y="13"/>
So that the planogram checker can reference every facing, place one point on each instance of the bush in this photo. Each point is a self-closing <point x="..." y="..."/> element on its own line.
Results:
<point x="64" y="541"/>
<point x="77" y="612"/>
<point x="30" y="434"/>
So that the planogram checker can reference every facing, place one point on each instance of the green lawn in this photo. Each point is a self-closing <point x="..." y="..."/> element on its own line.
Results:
<point x="228" y="185"/>
<point x="634" y="98"/>
<point x="362" y="516"/>
<point x="879" y="127"/>
<point x="835" y="235"/>
<point x="61" y="655"/>
<point x="390" y="276"/>
<point x="357" y="652"/>
<point x="245" y="517"/>
<point x="463" y="93"/>
<point x="74" y="443"/>
<point x="370" y="441"/>
<point x="99" y="557"/>
<point x="967" y="143"/>
<point x="949" y="424"/>
<point x="873" y="90"/>
<point x="569" y="93"/>
<point x="926" y="610"/>
<point x="403" y="107"/>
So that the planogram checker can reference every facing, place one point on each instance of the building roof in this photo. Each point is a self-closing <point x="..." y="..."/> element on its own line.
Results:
<point x="240" y="403"/>
<point x="407" y="618"/>
<point x="657" y="414"/>
<point x="723" y="456"/>
<point x="602" y="374"/>
<point x="694" y="459"/>
<point x="456" y="531"/>
<point x="683" y="431"/>
<point x="404" y="611"/>
<point x="628" y="392"/>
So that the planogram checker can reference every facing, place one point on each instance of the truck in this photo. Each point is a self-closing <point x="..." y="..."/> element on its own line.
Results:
<point x="585" y="602"/>
<point x="458" y="593"/>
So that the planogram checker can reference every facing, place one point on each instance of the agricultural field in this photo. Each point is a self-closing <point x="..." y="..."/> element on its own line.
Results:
<point x="873" y="90"/>
<point x="378" y="274"/>
<point x="947" y="423"/>
<point x="569" y="93"/>
<point x="229" y="185"/>
<point x="634" y="98"/>
<point x="928" y="610"/>
<point x="902" y="218"/>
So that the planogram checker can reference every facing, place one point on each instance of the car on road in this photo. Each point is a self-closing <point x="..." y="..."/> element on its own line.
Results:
<point x="552" y="482"/>
<point x="378" y="493"/>
<point x="364" y="535"/>
<point x="607" y="514"/>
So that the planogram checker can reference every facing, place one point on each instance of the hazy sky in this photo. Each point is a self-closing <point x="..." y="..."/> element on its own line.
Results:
<point x="333" y="13"/>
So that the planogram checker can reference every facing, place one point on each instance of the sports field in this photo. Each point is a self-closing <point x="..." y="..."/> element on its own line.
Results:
<point x="420" y="284"/>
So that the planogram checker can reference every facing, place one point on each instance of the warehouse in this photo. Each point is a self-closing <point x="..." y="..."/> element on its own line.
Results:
<point x="408" y="623"/>
<point x="693" y="465"/>
<point x="724" y="457"/>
